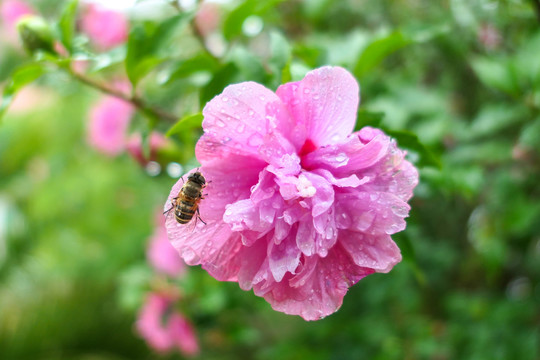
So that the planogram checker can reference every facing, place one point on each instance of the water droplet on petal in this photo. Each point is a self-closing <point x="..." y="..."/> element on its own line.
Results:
<point x="224" y="99"/>
<point x="220" y="123"/>
<point x="342" y="158"/>
<point x="240" y="129"/>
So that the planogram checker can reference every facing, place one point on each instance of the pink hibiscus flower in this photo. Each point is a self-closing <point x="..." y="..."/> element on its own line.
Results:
<point x="161" y="255"/>
<point x="298" y="207"/>
<point x="105" y="28"/>
<point x="108" y="124"/>
<point x="165" y="329"/>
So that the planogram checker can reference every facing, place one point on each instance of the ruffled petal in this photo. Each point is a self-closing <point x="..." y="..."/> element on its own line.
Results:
<point x="240" y="118"/>
<point x="373" y="213"/>
<point x="350" y="156"/>
<point x="318" y="288"/>
<point x="325" y="103"/>
<point x="283" y="258"/>
<point x="377" y="252"/>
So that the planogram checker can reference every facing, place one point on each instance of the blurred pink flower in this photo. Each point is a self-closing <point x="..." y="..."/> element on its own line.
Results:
<point x="298" y="207"/>
<point x="164" y="328"/>
<point x="489" y="36"/>
<point x="134" y="146"/>
<point x="207" y="18"/>
<point x="109" y="121"/>
<point x="12" y="10"/>
<point x="161" y="254"/>
<point x="106" y="28"/>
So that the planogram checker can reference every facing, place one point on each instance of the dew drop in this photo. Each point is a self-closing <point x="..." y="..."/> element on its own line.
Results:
<point x="220" y="123"/>
<point x="240" y="129"/>
<point x="251" y="112"/>
<point x="224" y="99"/>
<point x="373" y="197"/>
<point x="342" y="158"/>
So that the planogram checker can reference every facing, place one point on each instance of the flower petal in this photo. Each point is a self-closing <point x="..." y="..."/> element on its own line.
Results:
<point x="325" y="103"/>
<point x="283" y="258"/>
<point x="318" y="288"/>
<point x="183" y="334"/>
<point x="375" y="213"/>
<point x="377" y="252"/>
<point x="350" y="156"/>
<point x="239" y="119"/>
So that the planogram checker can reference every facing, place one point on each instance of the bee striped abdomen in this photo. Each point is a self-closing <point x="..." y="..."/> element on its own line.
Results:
<point x="187" y="202"/>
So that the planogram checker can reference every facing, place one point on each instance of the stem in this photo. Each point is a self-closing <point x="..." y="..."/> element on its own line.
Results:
<point x="134" y="100"/>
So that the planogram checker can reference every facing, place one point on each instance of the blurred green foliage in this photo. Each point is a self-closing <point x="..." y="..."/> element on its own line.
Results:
<point x="456" y="82"/>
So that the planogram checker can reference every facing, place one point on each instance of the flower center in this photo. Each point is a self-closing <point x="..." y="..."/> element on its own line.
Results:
<point x="308" y="147"/>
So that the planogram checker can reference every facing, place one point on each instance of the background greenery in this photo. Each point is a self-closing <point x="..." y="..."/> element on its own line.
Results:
<point x="74" y="224"/>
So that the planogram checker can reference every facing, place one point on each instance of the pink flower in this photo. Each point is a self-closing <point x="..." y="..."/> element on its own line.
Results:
<point x="105" y="28"/>
<point x="12" y="11"/>
<point x="298" y="208"/>
<point x="134" y="146"/>
<point x="207" y="18"/>
<point x="109" y="120"/>
<point x="489" y="36"/>
<point x="165" y="329"/>
<point x="161" y="255"/>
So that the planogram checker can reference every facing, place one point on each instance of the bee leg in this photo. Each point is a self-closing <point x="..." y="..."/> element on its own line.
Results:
<point x="199" y="216"/>
<point x="173" y="203"/>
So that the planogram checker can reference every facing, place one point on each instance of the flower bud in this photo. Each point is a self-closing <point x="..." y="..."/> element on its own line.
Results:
<point x="36" y="34"/>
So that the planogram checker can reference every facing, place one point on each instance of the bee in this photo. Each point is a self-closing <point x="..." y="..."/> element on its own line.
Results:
<point x="186" y="204"/>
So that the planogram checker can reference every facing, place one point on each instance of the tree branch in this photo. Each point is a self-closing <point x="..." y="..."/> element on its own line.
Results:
<point x="134" y="100"/>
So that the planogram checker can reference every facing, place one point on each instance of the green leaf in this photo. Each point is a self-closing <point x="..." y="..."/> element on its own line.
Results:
<point x="379" y="49"/>
<point x="280" y="49"/>
<point x="498" y="74"/>
<point x="67" y="24"/>
<point x="147" y="45"/>
<point x="529" y="135"/>
<point x="21" y="77"/>
<point x="250" y="66"/>
<point x="409" y="256"/>
<point x="107" y="59"/>
<point x="492" y="119"/>
<point x="409" y="140"/>
<point x="187" y="122"/>
<point x="369" y="118"/>
<point x="221" y="79"/>
<point x="184" y="68"/>
<point x="232" y="26"/>
<point x="281" y="57"/>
